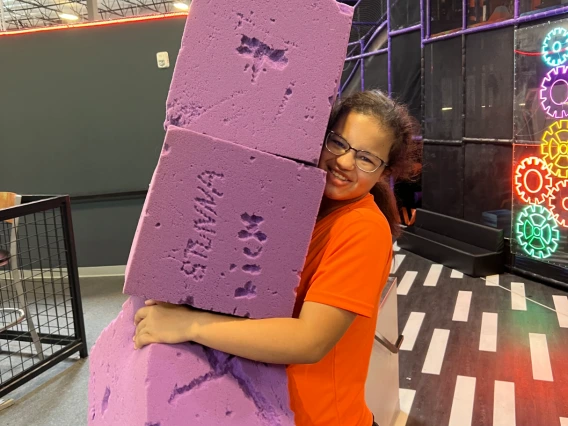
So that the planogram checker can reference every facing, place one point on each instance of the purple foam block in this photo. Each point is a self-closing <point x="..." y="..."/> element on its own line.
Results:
<point x="263" y="74"/>
<point x="178" y="385"/>
<point x="224" y="228"/>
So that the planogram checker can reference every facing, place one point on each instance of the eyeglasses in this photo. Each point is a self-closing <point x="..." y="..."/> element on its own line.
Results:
<point x="365" y="161"/>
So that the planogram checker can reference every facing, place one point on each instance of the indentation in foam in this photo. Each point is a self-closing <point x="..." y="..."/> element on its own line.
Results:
<point x="248" y="291"/>
<point x="285" y="99"/>
<point x="252" y="269"/>
<point x="261" y="54"/>
<point x="229" y="48"/>
<point x="245" y="235"/>
<point x="219" y="231"/>
<point x="253" y="254"/>
<point x="104" y="404"/>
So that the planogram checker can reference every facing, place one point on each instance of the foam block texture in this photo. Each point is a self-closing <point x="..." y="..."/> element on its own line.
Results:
<point x="175" y="385"/>
<point x="263" y="74"/>
<point x="224" y="228"/>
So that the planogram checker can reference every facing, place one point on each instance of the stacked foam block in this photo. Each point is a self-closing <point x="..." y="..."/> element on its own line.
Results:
<point x="230" y="210"/>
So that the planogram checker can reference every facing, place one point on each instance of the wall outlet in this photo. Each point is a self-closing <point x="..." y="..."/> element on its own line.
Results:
<point x="163" y="59"/>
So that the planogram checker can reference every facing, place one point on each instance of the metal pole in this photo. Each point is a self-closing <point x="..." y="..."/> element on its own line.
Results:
<point x="2" y="20"/>
<point x="362" y="66"/>
<point x="92" y="10"/>
<point x="389" y="47"/>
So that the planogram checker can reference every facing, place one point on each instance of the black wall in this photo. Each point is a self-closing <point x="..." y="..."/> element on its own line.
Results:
<point x="468" y="115"/>
<point x="82" y="112"/>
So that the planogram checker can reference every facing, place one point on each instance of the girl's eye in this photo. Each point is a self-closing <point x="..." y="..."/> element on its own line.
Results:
<point x="339" y="143"/>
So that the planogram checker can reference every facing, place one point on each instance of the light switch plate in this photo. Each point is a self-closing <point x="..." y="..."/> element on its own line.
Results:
<point x="163" y="59"/>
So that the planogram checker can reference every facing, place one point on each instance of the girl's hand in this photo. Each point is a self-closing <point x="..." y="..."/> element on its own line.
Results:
<point x="162" y="323"/>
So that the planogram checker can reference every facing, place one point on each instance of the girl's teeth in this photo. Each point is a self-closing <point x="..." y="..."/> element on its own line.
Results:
<point x="338" y="176"/>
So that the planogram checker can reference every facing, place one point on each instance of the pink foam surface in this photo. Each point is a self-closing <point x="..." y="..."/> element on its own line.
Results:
<point x="263" y="74"/>
<point x="178" y="385"/>
<point x="224" y="228"/>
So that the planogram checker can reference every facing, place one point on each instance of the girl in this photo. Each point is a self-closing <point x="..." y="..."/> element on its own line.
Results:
<point x="327" y="344"/>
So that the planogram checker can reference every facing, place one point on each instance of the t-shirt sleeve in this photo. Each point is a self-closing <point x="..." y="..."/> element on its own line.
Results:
<point x="352" y="270"/>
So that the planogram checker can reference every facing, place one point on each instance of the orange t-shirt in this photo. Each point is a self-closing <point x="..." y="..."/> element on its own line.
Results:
<point x="347" y="266"/>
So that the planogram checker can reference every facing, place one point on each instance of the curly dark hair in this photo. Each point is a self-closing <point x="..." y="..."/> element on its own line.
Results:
<point x="405" y="152"/>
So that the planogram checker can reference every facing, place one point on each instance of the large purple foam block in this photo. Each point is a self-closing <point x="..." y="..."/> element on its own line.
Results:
<point x="224" y="228"/>
<point x="178" y="385"/>
<point x="261" y="73"/>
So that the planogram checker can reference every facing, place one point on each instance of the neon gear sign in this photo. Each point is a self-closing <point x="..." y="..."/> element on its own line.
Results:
<point x="554" y="47"/>
<point x="533" y="180"/>
<point x="554" y="148"/>
<point x="554" y="92"/>
<point x="542" y="183"/>
<point x="537" y="231"/>
<point x="558" y="203"/>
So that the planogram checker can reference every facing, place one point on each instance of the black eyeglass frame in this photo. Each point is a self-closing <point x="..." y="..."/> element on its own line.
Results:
<point x="382" y="162"/>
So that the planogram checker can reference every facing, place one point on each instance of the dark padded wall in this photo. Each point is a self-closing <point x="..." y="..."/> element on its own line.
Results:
<point x="489" y="84"/>
<point x="405" y="70"/>
<point x="404" y="13"/>
<point x="376" y="72"/>
<point x="104" y="230"/>
<point x="487" y="189"/>
<point x="443" y="179"/>
<point x="443" y="90"/>
<point x="84" y="107"/>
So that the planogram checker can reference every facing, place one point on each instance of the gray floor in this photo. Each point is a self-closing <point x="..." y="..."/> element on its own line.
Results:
<point x="59" y="396"/>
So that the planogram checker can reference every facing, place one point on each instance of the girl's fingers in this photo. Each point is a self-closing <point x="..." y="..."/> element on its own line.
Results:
<point x="143" y="340"/>
<point x="140" y="315"/>
<point x="150" y="302"/>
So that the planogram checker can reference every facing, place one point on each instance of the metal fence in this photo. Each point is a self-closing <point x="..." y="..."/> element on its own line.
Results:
<point x="41" y="316"/>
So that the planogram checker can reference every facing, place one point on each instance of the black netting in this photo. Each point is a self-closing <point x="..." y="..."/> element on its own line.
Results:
<point x="353" y="84"/>
<point x="442" y="179"/>
<point x="443" y="90"/>
<point x="487" y="184"/>
<point x="349" y="66"/>
<point x="404" y="13"/>
<point x="376" y="72"/>
<point x="489" y="84"/>
<point x="479" y="13"/>
<point x="528" y="7"/>
<point x="371" y="13"/>
<point x="405" y="70"/>
<point x="445" y="16"/>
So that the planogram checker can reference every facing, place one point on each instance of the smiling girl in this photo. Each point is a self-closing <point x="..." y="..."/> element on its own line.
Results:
<point x="327" y="343"/>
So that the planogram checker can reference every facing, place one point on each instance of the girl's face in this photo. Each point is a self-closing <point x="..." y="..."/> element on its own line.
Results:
<point x="344" y="180"/>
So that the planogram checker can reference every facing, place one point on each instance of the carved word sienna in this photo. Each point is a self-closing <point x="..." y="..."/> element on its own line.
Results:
<point x="199" y="247"/>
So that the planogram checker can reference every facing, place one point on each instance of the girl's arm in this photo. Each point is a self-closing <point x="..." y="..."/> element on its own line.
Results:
<point x="304" y="340"/>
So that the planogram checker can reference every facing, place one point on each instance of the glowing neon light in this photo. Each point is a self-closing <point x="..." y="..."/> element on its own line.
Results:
<point x="558" y="203"/>
<point x="537" y="232"/>
<point x="554" y="92"/>
<point x="95" y="24"/>
<point x="554" y="47"/>
<point x="554" y="148"/>
<point x="533" y="180"/>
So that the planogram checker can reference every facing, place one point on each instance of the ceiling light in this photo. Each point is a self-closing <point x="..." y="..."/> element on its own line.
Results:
<point x="181" y="6"/>
<point x="68" y="16"/>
